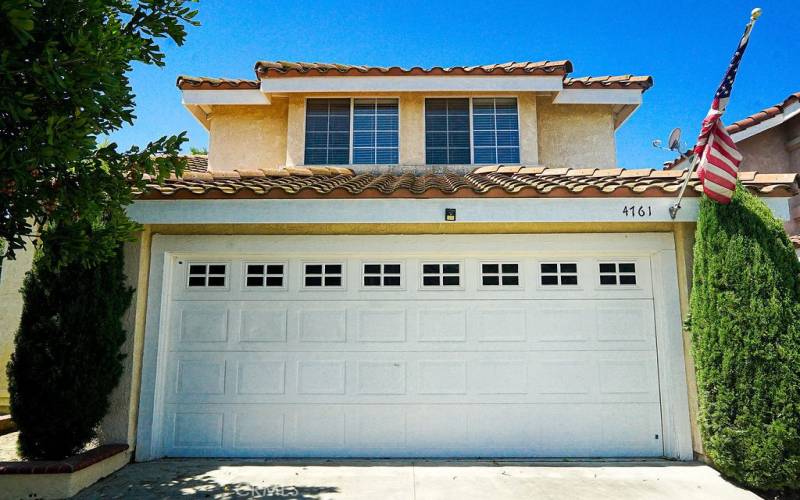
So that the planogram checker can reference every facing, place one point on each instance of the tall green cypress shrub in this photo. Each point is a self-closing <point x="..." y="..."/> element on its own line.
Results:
<point x="67" y="355"/>
<point x="745" y="324"/>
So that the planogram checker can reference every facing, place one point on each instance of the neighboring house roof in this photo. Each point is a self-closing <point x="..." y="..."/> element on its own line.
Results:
<point x="779" y="111"/>
<point x="486" y="181"/>
<point x="763" y="115"/>
<point x="273" y="69"/>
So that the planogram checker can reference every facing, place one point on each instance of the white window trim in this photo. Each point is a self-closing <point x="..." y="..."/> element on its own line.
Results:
<point x="382" y="288"/>
<point x="501" y="287"/>
<point x="264" y="287"/>
<point x="441" y="287"/>
<point x="208" y="263"/>
<point x="618" y="260"/>
<point x="322" y="287"/>
<point x="469" y="97"/>
<point x="559" y="287"/>
<point x="352" y="109"/>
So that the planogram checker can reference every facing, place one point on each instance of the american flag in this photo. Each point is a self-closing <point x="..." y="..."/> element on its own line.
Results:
<point x="719" y="158"/>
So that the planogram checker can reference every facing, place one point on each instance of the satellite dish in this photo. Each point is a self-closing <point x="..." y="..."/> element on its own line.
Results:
<point x="674" y="141"/>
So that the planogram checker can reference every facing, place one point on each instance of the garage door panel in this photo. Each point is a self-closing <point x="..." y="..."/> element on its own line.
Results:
<point x="414" y="377"/>
<point x="262" y="323"/>
<point x="259" y="377"/>
<point x="199" y="323"/>
<point x="380" y="324"/>
<point x="527" y="430"/>
<point x="381" y="377"/>
<point x="256" y="429"/>
<point x="631" y="430"/>
<point x="442" y="324"/>
<point x="468" y="372"/>
<point x="416" y="325"/>
<point x="502" y="323"/>
<point x="321" y="324"/>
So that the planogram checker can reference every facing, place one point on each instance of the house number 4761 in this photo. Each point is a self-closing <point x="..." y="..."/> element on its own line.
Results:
<point x="637" y="211"/>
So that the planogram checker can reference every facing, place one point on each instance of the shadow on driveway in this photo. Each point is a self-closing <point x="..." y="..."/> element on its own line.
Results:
<point x="416" y="479"/>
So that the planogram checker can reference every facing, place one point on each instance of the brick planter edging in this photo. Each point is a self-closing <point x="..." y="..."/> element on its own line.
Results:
<point x="66" y="466"/>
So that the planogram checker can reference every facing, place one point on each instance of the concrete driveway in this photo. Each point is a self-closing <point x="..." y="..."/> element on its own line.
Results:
<point x="415" y="479"/>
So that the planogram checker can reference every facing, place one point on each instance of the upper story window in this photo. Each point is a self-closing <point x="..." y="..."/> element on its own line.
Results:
<point x="328" y="131"/>
<point x="479" y="130"/>
<point x="375" y="124"/>
<point x="495" y="130"/>
<point x="375" y="131"/>
<point x="447" y="131"/>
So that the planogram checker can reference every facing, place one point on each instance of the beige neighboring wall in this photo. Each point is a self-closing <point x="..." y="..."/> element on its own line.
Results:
<point x="11" y="277"/>
<point x="765" y="152"/>
<point x="576" y="135"/>
<point x="776" y="150"/>
<point x="248" y="137"/>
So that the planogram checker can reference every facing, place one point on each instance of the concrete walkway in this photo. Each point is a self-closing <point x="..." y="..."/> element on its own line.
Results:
<point x="415" y="479"/>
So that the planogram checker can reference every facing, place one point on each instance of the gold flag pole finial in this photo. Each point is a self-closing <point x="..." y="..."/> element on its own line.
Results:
<point x="755" y="14"/>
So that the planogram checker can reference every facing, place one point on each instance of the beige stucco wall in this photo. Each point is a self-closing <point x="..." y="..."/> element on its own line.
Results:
<point x="576" y="135"/>
<point x="248" y="137"/>
<point x="11" y="278"/>
<point x="114" y="427"/>
<point x="274" y="135"/>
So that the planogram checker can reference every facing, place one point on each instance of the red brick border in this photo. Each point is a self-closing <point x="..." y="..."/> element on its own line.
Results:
<point x="66" y="466"/>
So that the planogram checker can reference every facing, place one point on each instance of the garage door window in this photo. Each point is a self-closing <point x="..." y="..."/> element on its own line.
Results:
<point x="269" y="275"/>
<point x="617" y="273"/>
<point x="441" y="275"/>
<point x="500" y="274"/>
<point x="558" y="274"/>
<point x="323" y="275"/>
<point x="207" y="275"/>
<point x="377" y="275"/>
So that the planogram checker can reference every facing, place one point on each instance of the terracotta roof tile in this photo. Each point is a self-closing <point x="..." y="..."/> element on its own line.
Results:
<point x="187" y="82"/>
<point x="610" y="82"/>
<point x="489" y="181"/>
<point x="271" y="69"/>
<point x="763" y="115"/>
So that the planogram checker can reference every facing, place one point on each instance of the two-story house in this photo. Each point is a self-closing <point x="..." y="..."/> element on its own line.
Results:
<point x="387" y="262"/>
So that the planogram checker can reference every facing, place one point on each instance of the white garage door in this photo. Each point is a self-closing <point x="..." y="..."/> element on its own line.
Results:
<point x="418" y="349"/>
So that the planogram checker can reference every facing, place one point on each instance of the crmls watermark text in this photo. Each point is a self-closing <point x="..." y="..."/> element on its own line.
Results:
<point x="252" y="491"/>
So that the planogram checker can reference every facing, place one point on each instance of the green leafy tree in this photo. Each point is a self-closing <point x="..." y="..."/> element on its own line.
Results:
<point x="63" y="67"/>
<point x="745" y="324"/>
<point x="198" y="151"/>
<point x="66" y="358"/>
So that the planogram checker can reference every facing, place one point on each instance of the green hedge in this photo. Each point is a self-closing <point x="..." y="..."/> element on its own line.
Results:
<point x="745" y="324"/>
<point x="67" y="355"/>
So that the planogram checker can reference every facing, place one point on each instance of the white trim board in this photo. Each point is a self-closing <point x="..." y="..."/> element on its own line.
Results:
<point x="412" y="84"/>
<point x="599" y="96"/>
<point x="233" y="97"/>
<point x="428" y="210"/>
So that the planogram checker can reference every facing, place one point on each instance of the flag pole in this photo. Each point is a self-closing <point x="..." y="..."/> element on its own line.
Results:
<point x="695" y="158"/>
<point x="673" y="210"/>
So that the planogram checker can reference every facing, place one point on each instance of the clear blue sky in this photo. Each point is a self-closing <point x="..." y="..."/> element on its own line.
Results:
<point x="684" y="45"/>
